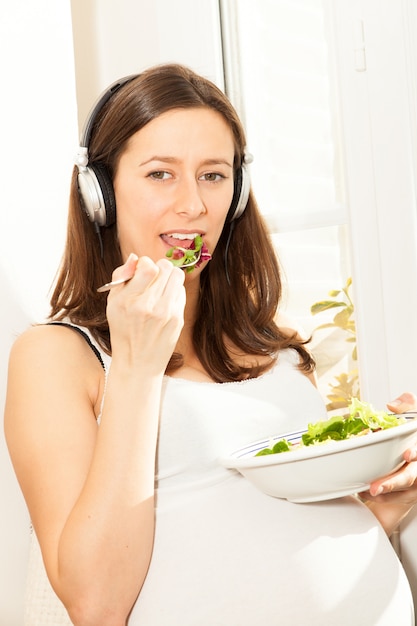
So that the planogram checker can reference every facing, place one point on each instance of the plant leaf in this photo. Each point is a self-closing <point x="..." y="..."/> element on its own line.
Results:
<point x="325" y="305"/>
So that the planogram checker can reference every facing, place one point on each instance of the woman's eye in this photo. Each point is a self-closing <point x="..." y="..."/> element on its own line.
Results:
<point x="159" y="175"/>
<point x="212" y="177"/>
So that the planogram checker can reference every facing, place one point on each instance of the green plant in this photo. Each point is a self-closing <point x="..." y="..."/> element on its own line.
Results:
<point x="346" y="386"/>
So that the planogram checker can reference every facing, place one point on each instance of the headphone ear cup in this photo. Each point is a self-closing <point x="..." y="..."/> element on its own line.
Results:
<point x="95" y="186"/>
<point x="240" y="194"/>
<point x="97" y="194"/>
<point x="107" y="192"/>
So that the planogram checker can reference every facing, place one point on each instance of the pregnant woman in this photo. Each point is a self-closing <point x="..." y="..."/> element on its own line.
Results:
<point x="120" y="405"/>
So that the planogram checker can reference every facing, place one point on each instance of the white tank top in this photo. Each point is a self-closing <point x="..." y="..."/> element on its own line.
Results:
<point x="226" y="554"/>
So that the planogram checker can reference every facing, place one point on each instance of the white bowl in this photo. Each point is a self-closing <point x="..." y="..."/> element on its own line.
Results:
<point x="328" y="470"/>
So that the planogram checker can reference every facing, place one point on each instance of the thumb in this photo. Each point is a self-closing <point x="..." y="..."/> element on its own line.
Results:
<point x="405" y="402"/>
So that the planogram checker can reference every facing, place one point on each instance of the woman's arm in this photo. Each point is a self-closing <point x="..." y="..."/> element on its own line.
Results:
<point x="89" y="488"/>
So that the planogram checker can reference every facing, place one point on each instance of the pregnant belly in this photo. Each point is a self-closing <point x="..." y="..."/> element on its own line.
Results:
<point x="228" y="555"/>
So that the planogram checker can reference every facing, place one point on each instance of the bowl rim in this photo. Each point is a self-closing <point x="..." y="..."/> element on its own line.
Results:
<point x="244" y="457"/>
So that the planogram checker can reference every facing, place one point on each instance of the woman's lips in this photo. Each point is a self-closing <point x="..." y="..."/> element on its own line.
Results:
<point x="179" y="239"/>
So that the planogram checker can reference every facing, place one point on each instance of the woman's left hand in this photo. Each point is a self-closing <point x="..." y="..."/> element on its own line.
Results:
<point x="392" y="497"/>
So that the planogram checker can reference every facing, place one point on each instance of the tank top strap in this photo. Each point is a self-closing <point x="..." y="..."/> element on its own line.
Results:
<point x="85" y="336"/>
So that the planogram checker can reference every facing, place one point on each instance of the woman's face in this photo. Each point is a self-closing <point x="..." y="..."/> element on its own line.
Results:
<point x="174" y="181"/>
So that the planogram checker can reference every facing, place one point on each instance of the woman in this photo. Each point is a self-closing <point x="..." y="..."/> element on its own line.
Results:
<point x="117" y="455"/>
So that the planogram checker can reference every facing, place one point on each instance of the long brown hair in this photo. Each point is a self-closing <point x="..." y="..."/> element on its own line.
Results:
<point x="239" y="305"/>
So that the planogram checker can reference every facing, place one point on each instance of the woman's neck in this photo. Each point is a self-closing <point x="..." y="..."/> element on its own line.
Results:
<point x="192" y="368"/>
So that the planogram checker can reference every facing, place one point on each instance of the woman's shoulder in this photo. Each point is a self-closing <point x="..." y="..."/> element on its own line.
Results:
<point x="53" y="357"/>
<point x="56" y="345"/>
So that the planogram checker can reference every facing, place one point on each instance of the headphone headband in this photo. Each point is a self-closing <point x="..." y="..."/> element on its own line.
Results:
<point x="98" y="105"/>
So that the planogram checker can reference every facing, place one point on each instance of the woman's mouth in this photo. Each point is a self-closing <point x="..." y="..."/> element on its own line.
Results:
<point x="184" y="240"/>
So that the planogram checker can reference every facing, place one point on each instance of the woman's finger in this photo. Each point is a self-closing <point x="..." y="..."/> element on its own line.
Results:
<point x="121" y="274"/>
<point x="405" y="402"/>
<point x="405" y="478"/>
<point x="137" y="274"/>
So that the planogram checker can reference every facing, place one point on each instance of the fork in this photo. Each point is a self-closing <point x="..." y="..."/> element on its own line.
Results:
<point x="121" y="281"/>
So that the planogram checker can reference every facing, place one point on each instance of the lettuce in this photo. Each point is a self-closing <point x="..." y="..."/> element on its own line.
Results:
<point x="362" y="418"/>
<point x="189" y="258"/>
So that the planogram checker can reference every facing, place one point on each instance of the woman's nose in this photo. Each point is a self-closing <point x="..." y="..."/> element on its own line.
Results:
<point x="189" y="199"/>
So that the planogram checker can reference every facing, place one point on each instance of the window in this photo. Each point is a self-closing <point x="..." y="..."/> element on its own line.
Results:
<point x="280" y="75"/>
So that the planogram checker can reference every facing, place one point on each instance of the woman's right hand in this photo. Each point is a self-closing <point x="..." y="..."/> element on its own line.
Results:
<point x="146" y="314"/>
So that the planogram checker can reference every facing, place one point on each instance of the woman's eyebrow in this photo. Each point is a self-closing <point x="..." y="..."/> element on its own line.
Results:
<point x="165" y="159"/>
<point x="218" y="162"/>
<point x="170" y="159"/>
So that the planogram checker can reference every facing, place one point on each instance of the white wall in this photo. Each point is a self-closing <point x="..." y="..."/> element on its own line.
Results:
<point x="14" y="520"/>
<point x="115" y="39"/>
<point x="38" y="132"/>
<point x="38" y="136"/>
